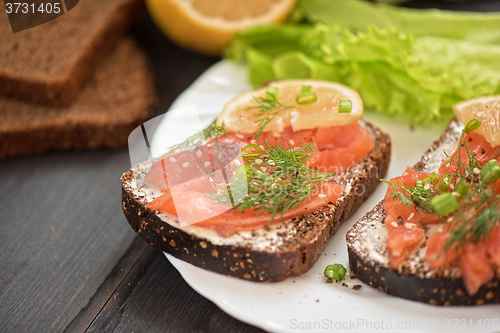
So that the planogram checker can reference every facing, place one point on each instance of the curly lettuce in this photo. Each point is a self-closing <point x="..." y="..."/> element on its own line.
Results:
<point x="357" y="15"/>
<point x="395" y="72"/>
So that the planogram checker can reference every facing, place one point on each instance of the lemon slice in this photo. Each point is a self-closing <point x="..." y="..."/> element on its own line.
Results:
<point x="487" y="111"/>
<point x="237" y="116"/>
<point x="207" y="26"/>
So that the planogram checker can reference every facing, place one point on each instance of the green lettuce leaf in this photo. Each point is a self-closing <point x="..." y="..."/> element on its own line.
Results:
<point x="357" y="15"/>
<point x="394" y="72"/>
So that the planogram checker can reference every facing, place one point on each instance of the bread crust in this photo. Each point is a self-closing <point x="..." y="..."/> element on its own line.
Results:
<point x="119" y="97"/>
<point x="418" y="283"/>
<point x="292" y="257"/>
<point x="62" y="89"/>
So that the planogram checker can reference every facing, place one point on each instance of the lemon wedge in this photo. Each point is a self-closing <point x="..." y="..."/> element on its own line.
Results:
<point x="207" y="26"/>
<point x="487" y="111"/>
<point x="241" y="113"/>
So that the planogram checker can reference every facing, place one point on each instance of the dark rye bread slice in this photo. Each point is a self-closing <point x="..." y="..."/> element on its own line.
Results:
<point x="118" y="98"/>
<point x="49" y="63"/>
<point x="414" y="280"/>
<point x="270" y="254"/>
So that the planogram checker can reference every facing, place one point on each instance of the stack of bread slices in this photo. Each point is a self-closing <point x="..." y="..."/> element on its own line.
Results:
<point x="74" y="82"/>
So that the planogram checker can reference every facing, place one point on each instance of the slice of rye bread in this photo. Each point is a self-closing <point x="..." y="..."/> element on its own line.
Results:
<point x="271" y="254"/>
<point x="414" y="280"/>
<point x="49" y="63"/>
<point x="117" y="99"/>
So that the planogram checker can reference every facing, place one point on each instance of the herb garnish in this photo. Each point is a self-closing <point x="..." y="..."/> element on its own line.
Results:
<point x="213" y="131"/>
<point x="280" y="179"/>
<point x="345" y="106"/>
<point x="306" y="96"/>
<point x="335" y="272"/>
<point x="418" y="196"/>
<point x="465" y="169"/>
<point x="477" y="213"/>
<point x="267" y="109"/>
<point x="478" y="216"/>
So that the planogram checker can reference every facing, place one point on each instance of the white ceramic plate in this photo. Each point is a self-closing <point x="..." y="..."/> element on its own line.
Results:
<point x="307" y="303"/>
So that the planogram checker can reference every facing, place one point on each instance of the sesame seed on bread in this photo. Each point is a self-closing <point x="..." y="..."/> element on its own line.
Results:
<point x="270" y="254"/>
<point x="414" y="280"/>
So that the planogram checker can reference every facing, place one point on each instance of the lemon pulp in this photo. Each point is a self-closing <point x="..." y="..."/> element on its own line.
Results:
<point x="240" y="114"/>
<point x="207" y="26"/>
<point x="487" y="111"/>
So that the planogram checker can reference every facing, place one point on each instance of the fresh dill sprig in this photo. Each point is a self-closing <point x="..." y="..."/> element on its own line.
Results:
<point x="213" y="131"/>
<point x="421" y="196"/>
<point x="280" y="180"/>
<point x="291" y="156"/>
<point x="465" y="169"/>
<point x="478" y="216"/>
<point x="267" y="108"/>
<point x="478" y="208"/>
<point x="418" y="196"/>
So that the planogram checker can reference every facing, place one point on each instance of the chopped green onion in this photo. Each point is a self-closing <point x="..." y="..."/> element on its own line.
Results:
<point x="252" y="153"/>
<point x="306" y="96"/>
<point x="490" y="172"/>
<point x="433" y="178"/>
<point x="445" y="182"/>
<point x="462" y="188"/>
<point x="419" y="183"/>
<point x="272" y="93"/>
<point x="244" y="170"/>
<point x="345" y="106"/>
<point x="445" y="204"/>
<point x="335" y="272"/>
<point x="472" y="126"/>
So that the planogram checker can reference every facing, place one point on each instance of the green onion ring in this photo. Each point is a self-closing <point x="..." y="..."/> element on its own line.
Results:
<point x="251" y="147"/>
<point x="445" y="204"/>
<point x="335" y="272"/>
<point x="345" y="106"/>
<point x="306" y="96"/>
<point x="472" y="126"/>
<point x="490" y="172"/>
<point x="462" y="188"/>
<point x="433" y="178"/>
<point x="445" y="182"/>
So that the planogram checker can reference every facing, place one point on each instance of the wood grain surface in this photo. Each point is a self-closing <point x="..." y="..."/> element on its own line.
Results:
<point x="69" y="260"/>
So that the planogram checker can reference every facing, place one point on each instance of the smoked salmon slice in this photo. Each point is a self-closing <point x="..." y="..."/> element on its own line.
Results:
<point x="477" y="261"/>
<point x="339" y="147"/>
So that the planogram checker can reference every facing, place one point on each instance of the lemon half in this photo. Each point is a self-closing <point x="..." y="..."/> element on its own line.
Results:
<point x="487" y="111"/>
<point x="207" y="26"/>
<point x="240" y="114"/>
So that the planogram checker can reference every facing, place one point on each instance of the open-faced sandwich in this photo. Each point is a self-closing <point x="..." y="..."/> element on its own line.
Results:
<point x="307" y="163"/>
<point x="435" y="238"/>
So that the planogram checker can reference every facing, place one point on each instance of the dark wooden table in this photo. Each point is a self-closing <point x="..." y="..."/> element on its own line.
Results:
<point x="69" y="260"/>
